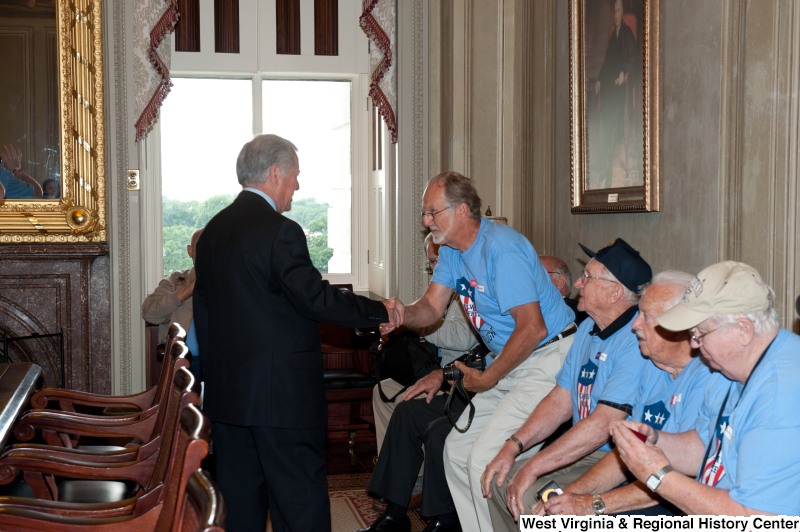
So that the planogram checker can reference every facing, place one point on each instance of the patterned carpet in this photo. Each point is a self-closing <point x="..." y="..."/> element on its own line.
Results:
<point x="351" y="508"/>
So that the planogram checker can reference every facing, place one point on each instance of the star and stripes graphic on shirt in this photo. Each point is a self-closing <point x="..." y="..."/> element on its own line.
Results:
<point x="714" y="469"/>
<point x="655" y="415"/>
<point x="466" y="293"/>
<point x="585" y="384"/>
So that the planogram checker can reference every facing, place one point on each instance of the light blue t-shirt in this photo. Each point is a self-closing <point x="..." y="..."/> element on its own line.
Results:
<point x="498" y="272"/>
<point x="760" y="463"/>
<point x="603" y="366"/>
<point x="671" y="405"/>
<point x="15" y="189"/>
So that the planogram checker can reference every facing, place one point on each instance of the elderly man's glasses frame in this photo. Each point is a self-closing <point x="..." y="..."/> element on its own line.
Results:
<point x="585" y="276"/>
<point x="431" y="215"/>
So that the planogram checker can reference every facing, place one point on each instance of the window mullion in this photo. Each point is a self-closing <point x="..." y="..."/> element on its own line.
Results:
<point x="258" y="119"/>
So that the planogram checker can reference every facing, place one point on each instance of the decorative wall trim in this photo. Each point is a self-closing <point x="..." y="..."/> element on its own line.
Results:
<point x="731" y="117"/>
<point x="122" y="306"/>
<point x="418" y="135"/>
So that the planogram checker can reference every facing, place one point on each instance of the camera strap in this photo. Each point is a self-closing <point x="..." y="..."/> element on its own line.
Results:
<point x="458" y="386"/>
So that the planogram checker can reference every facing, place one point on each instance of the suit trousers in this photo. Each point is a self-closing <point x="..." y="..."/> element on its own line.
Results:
<point x="503" y="521"/>
<point x="499" y="412"/>
<point x="279" y="470"/>
<point x="415" y="424"/>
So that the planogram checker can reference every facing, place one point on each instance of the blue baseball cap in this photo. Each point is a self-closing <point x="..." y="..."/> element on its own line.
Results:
<point x="624" y="262"/>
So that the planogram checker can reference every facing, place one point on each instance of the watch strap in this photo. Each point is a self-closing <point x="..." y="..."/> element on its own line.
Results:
<point x="516" y="440"/>
<point x="654" y="481"/>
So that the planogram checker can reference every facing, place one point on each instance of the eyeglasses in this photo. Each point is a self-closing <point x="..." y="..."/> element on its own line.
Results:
<point x="698" y="337"/>
<point x="431" y="215"/>
<point x="585" y="276"/>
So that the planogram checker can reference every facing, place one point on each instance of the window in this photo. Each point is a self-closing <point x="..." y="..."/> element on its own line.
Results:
<point x="204" y="124"/>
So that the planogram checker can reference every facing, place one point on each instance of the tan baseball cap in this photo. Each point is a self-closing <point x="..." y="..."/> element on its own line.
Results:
<point x="724" y="288"/>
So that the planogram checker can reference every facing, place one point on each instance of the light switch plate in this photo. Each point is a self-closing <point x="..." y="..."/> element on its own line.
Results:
<point x="133" y="179"/>
<point x="613" y="198"/>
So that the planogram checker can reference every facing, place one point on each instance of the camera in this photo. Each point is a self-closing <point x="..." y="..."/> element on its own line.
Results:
<point x="472" y="359"/>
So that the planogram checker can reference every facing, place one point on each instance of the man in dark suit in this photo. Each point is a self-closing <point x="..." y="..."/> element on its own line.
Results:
<point x="257" y="303"/>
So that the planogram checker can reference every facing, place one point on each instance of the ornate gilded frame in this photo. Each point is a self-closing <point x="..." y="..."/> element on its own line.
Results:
<point x="643" y="198"/>
<point x="80" y="214"/>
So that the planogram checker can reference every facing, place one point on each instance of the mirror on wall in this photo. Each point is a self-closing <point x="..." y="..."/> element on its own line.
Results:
<point x="52" y="137"/>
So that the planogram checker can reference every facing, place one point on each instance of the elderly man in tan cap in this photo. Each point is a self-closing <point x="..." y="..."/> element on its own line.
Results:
<point x="741" y="457"/>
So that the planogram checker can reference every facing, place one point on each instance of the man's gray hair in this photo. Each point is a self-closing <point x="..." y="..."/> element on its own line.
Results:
<point x="764" y="321"/>
<point x="459" y="189"/>
<point x="673" y="277"/>
<point x="261" y="154"/>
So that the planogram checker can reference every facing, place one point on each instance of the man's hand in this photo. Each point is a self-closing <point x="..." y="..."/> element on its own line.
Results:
<point x="397" y="312"/>
<point x="642" y="459"/>
<point x="516" y="489"/>
<point x="568" y="504"/>
<point x="429" y="384"/>
<point x="186" y="292"/>
<point x="474" y="380"/>
<point x="500" y="466"/>
<point x="11" y="158"/>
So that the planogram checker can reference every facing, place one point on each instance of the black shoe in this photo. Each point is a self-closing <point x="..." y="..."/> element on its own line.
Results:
<point x="384" y="523"/>
<point x="434" y="525"/>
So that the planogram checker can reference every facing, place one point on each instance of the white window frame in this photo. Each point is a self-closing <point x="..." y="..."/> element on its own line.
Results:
<point x="257" y="61"/>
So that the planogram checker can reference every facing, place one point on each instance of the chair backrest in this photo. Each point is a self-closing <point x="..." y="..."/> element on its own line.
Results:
<point x="203" y="508"/>
<point x="178" y="360"/>
<point x="191" y="447"/>
<point x="174" y="334"/>
<point x="185" y="392"/>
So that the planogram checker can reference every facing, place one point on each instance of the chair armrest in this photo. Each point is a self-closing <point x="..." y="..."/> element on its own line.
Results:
<point x="68" y="509"/>
<point x="67" y="398"/>
<point x="97" y="418"/>
<point x="26" y="519"/>
<point x="84" y="455"/>
<point x="62" y="422"/>
<point x="139" y="471"/>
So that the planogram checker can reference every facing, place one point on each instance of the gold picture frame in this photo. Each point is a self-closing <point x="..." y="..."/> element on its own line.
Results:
<point x="615" y="119"/>
<point x="80" y="214"/>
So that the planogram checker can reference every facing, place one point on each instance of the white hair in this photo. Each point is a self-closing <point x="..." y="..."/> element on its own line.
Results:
<point x="261" y="154"/>
<point x="763" y="321"/>
<point x="673" y="277"/>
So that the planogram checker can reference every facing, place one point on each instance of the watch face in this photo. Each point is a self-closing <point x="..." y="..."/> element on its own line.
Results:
<point x="653" y="482"/>
<point x="598" y="506"/>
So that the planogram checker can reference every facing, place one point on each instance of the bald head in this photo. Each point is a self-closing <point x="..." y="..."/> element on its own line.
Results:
<point x="559" y="273"/>
<point x="191" y="248"/>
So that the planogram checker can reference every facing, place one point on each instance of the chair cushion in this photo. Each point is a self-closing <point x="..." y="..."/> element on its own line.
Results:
<point x="339" y="378"/>
<point x="98" y="491"/>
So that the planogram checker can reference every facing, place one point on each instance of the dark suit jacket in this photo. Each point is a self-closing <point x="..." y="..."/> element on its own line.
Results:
<point x="257" y="303"/>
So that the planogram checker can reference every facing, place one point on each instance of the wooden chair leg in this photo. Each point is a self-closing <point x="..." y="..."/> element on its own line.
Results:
<point x="351" y="448"/>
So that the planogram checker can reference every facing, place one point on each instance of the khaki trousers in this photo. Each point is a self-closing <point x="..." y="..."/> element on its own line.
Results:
<point x="498" y="413"/>
<point x="503" y="521"/>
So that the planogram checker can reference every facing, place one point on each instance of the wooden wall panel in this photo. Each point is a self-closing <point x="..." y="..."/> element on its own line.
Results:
<point x="226" y="26"/>
<point x="187" y="30"/>
<point x="287" y="16"/>
<point x="326" y="27"/>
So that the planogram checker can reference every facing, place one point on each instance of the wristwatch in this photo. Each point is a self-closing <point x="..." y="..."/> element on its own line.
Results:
<point x="598" y="506"/>
<point x="654" y="480"/>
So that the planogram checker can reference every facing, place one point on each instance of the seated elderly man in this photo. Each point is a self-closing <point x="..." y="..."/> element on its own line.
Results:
<point x="597" y="384"/>
<point x="172" y="299"/>
<point x="669" y="398"/>
<point x="520" y="316"/>
<point x="741" y="457"/>
<point x="561" y="277"/>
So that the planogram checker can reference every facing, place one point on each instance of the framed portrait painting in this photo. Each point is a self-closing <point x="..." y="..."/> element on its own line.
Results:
<point x="615" y="105"/>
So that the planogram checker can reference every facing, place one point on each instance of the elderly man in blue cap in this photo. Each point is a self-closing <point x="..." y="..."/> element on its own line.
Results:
<point x="596" y="385"/>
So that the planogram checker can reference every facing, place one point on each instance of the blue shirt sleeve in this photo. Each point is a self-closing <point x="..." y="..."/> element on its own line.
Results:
<point x="443" y="273"/>
<point x="514" y="284"/>
<point x="15" y="189"/>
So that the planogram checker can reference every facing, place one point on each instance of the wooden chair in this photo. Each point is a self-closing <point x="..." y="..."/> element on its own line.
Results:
<point x="145" y="402"/>
<point x="68" y="428"/>
<point x="348" y="383"/>
<point x="128" y="474"/>
<point x="187" y="500"/>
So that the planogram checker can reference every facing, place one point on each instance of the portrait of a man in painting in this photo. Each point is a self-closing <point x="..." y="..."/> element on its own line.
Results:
<point x="614" y="116"/>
